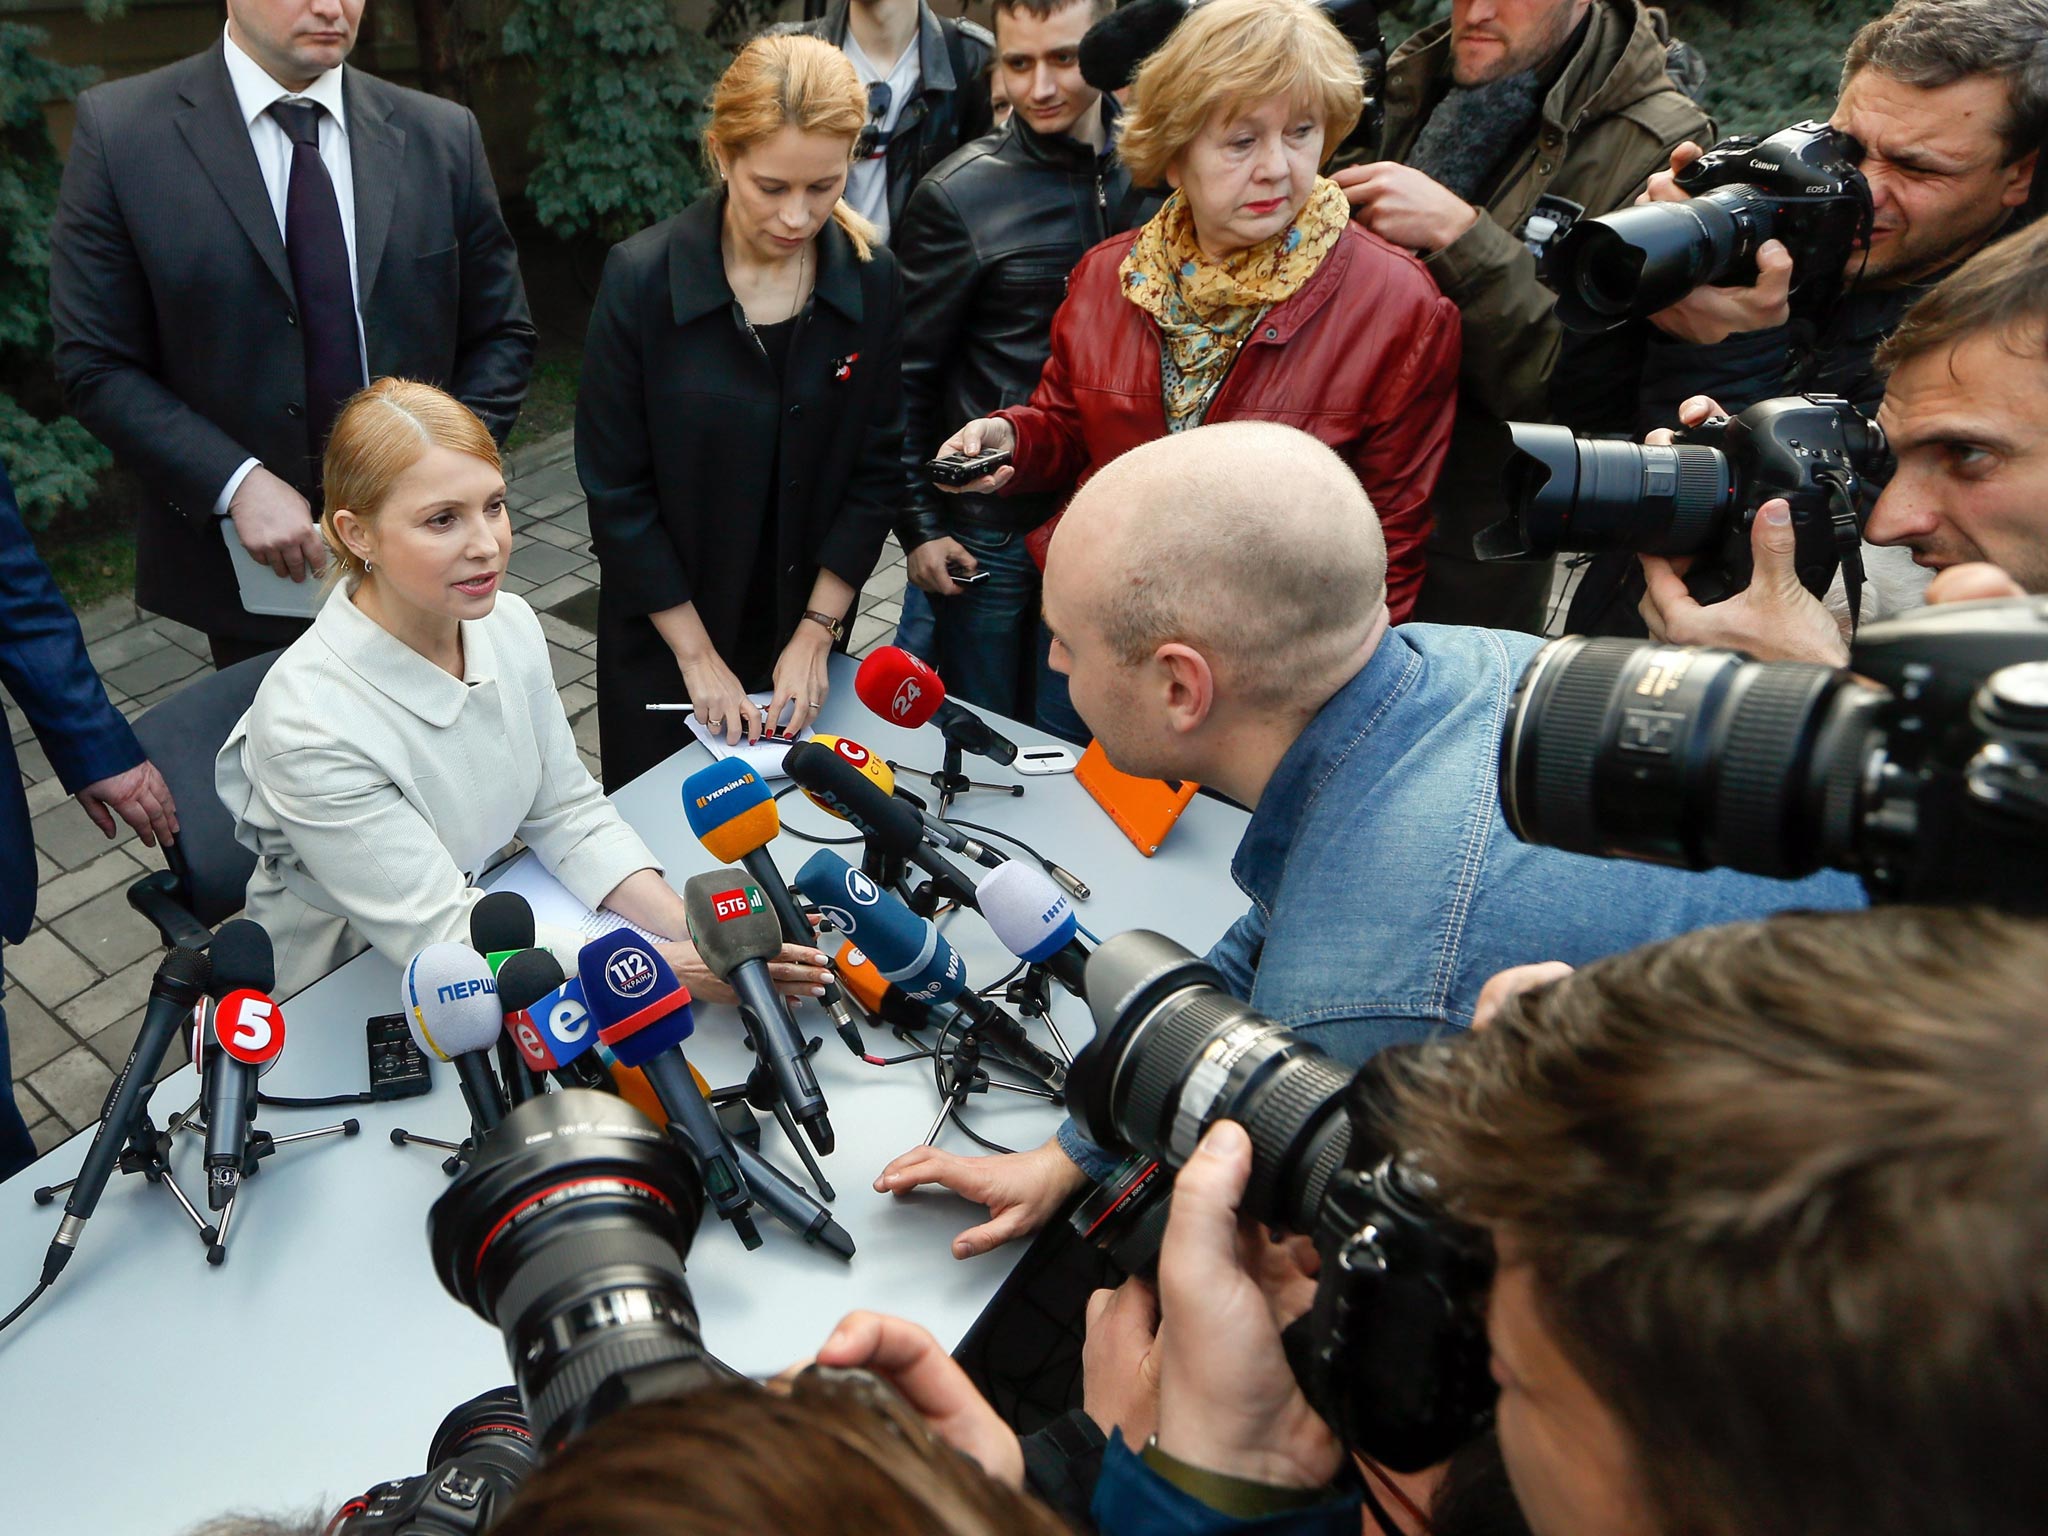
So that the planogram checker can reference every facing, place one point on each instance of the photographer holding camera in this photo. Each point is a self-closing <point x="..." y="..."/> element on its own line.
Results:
<point x="1964" y="415"/>
<point x="1948" y="101"/>
<point x="1942" y="113"/>
<point x="1757" y="1229"/>
<point x="1502" y="123"/>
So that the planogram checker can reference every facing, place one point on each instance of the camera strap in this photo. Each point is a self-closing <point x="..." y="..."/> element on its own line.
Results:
<point x="1848" y="532"/>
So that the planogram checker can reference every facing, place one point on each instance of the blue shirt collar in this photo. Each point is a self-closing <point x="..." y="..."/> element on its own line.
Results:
<point x="1350" y="715"/>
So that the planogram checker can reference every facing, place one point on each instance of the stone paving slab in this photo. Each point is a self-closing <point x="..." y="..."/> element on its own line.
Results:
<point x="47" y="968"/>
<point x="74" y="1086"/>
<point x="77" y="985"/>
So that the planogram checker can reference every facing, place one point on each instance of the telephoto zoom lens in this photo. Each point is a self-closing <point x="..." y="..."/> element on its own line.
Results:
<point x="1589" y="494"/>
<point x="1638" y="260"/>
<point x="568" y="1231"/>
<point x="1174" y="1052"/>
<point x="1686" y="755"/>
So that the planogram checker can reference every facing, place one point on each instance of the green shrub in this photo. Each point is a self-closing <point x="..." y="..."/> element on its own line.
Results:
<point x="625" y="94"/>
<point x="54" y="462"/>
<point x="1769" y="62"/>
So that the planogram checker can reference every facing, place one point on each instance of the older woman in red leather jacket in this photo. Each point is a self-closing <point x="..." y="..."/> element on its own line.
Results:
<point x="1250" y="295"/>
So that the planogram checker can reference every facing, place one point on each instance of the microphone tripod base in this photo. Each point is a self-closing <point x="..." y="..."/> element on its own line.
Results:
<point x="1031" y="995"/>
<point x="760" y="1092"/>
<point x="459" y="1150"/>
<point x="951" y="781"/>
<point x="148" y="1153"/>
<point x="229" y="1177"/>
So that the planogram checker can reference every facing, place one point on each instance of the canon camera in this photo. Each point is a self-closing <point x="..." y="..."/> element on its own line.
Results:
<point x="568" y="1230"/>
<point x="1699" y="496"/>
<point x="1800" y="186"/>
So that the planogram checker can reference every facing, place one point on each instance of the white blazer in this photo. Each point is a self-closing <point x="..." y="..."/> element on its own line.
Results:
<point x="374" y="787"/>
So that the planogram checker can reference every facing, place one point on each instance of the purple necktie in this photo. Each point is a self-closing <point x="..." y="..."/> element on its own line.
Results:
<point x="317" y="249"/>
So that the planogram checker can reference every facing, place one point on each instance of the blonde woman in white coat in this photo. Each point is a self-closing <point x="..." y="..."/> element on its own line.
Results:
<point x="416" y="729"/>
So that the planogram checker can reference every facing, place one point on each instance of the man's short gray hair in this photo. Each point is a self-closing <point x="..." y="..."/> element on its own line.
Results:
<point x="1932" y="43"/>
<point x="1252" y="542"/>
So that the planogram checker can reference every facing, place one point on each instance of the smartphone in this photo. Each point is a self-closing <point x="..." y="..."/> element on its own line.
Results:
<point x="963" y="469"/>
<point x="1044" y="760"/>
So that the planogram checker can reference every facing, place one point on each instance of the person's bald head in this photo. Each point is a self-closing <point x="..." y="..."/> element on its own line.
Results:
<point x="1250" y="542"/>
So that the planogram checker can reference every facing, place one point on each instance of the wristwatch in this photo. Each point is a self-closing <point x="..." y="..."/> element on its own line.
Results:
<point x="836" y="628"/>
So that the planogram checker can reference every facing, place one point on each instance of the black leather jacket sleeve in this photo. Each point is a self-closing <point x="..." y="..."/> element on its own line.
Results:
<point x="936" y="251"/>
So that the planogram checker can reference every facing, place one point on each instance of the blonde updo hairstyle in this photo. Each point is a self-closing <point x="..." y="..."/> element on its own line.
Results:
<point x="791" y="81"/>
<point x="381" y="433"/>
<point x="1228" y="54"/>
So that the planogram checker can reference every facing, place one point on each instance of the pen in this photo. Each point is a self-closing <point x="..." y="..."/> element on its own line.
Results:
<point x="684" y="708"/>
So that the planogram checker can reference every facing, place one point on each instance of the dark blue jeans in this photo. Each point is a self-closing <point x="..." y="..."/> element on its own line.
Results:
<point x="987" y="635"/>
<point x="914" y="629"/>
<point x="17" y="1147"/>
<point x="1055" y="712"/>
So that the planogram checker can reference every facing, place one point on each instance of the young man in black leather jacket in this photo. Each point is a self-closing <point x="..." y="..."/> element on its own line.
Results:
<point x="945" y="105"/>
<point x="986" y="244"/>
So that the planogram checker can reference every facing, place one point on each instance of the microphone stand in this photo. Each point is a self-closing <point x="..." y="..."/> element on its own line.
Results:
<point x="147" y="1150"/>
<point x="149" y="1153"/>
<point x="459" y="1151"/>
<point x="1031" y="995"/>
<point x="964" y="1075"/>
<point x="760" y="1092"/>
<point x="950" y="778"/>
<point x="261" y="1145"/>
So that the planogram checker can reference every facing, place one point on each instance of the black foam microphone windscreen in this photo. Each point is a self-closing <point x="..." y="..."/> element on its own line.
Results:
<point x="1115" y="46"/>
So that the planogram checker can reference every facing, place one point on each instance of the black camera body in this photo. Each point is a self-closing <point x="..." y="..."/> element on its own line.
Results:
<point x="1821" y="455"/>
<point x="1921" y="768"/>
<point x="1393" y="1353"/>
<point x="1699" y="496"/>
<point x="1799" y="186"/>
<point x="475" y="1464"/>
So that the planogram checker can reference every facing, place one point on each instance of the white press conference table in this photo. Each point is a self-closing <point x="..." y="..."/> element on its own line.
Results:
<point x="148" y="1391"/>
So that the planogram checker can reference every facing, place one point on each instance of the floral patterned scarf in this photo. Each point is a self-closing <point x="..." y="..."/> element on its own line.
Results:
<point x="1206" y="310"/>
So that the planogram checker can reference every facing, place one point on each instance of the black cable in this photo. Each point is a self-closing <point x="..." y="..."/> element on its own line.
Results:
<point x="897" y="1061"/>
<point x="271" y="1101"/>
<point x="1002" y="984"/>
<point x="980" y="1140"/>
<point x="997" y="833"/>
<point x="30" y="1300"/>
<point x="807" y="837"/>
<point x="959" y="1117"/>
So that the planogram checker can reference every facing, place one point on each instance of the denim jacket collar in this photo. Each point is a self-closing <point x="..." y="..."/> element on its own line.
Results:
<point x="1338" y="728"/>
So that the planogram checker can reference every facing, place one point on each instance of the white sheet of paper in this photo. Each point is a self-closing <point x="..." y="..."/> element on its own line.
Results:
<point x="554" y="906"/>
<point x="764" y="757"/>
<point x="263" y="590"/>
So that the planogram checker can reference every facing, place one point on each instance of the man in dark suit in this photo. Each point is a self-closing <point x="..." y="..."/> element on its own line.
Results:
<point x="95" y="755"/>
<point x="243" y="239"/>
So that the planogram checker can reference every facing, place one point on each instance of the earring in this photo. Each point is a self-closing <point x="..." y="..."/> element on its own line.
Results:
<point x="368" y="567"/>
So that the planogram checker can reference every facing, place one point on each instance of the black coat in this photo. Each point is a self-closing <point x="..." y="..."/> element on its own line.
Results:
<point x="177" y="337"/>
<point x="682" y="434"/>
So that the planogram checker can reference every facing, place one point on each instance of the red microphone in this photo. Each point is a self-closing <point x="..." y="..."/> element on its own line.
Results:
<point x="905" y="691"/>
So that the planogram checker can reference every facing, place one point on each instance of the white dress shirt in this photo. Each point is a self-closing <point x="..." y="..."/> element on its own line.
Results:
<point x="256" y="93"/>
<point x="374" y="787"/>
